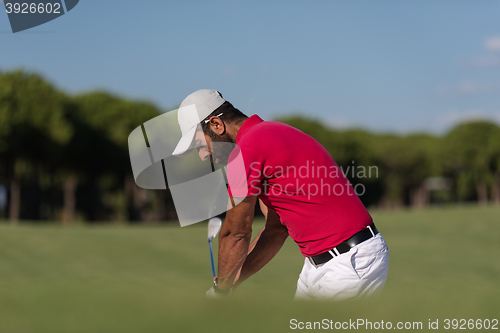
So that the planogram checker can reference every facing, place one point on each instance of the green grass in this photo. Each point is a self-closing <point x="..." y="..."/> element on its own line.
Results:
<point x="445" y="263"/>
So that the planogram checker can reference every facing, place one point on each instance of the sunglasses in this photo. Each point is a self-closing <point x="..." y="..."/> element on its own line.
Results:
<point x="220" y="114"/>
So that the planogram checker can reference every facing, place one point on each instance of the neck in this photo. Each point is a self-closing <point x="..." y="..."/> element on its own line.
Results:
<point x="232" y="129"/>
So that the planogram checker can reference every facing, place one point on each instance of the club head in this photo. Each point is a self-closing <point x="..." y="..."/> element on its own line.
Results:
<point x="214" y="225"/>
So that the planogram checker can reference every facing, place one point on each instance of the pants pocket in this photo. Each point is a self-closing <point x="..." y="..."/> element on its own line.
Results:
<point x="361" y="263"/>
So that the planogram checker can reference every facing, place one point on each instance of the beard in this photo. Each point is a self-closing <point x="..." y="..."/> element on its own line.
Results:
<point x="221" y="147"/>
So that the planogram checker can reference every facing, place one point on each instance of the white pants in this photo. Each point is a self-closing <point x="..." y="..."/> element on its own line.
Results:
<point x="360" y="272"/>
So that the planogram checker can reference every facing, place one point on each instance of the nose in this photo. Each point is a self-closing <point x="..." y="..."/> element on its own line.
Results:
<point x="203" y="153"/>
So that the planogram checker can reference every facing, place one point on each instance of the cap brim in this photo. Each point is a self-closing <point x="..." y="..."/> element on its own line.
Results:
<point x="185" y="143"/>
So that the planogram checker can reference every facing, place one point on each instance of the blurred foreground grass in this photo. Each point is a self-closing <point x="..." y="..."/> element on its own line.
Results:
<point x="444" y="264"/>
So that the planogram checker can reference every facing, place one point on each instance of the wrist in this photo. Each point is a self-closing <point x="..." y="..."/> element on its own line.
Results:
<point x="219" y="290"/>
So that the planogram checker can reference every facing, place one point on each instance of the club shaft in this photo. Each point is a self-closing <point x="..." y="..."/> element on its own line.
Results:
<point x="211" y="257"/>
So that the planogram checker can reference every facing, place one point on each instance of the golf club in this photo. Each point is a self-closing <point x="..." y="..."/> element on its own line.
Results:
<point x="214" y="225"/>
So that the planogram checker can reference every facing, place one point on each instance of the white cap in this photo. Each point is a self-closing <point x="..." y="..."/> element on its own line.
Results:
<point x="192" y="111"/>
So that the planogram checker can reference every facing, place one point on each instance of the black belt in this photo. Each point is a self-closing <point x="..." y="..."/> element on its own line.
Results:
<point x="345" y="246"/>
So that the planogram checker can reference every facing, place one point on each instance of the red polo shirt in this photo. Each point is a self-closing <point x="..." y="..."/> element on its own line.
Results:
<point x="296" y="177"/>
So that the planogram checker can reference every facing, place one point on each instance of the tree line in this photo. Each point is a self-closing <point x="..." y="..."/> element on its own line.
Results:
<point x="65" y="157"/>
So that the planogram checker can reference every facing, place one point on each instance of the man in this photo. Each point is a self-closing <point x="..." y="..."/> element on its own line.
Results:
<point x="307" y="196"/>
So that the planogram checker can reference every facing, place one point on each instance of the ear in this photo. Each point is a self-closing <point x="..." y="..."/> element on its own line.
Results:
<point x="217" y="125"/>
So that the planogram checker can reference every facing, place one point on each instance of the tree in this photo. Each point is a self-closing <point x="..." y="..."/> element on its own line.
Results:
<point x="103" y="123"/>
<point x="32" y="127"/>
<point x="494" y="151"/>
<point x="469" y="152"/>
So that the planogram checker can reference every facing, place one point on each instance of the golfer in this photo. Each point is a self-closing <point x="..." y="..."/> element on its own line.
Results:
<point x="304" y="195"/>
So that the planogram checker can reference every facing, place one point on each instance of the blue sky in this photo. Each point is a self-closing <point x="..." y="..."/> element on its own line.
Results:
<point x="398" y="66"/>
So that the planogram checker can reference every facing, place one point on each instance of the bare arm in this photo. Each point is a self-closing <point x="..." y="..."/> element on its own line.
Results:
<point x="265" y="246"/>
<point x="264" y="210"/>
<point x="234" y="241"/>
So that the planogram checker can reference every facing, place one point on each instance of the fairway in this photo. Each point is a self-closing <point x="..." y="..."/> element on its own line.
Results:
<point x="444" y="264"/>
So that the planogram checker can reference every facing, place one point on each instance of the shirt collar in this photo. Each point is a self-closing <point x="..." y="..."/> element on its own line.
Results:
<point x="249" y="123"/>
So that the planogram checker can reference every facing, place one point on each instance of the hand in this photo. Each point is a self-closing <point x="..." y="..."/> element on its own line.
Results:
<point x="211" y="293"/>
<point x="215" y="292"/>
